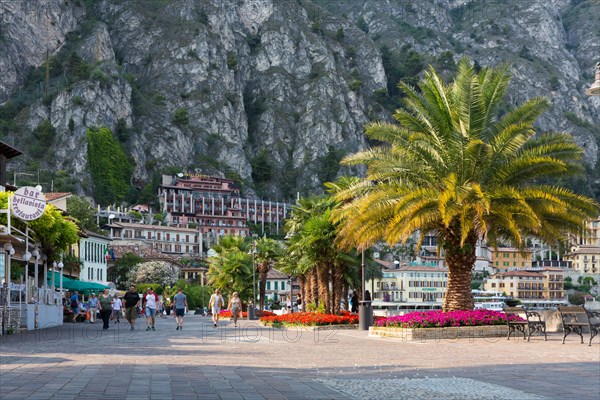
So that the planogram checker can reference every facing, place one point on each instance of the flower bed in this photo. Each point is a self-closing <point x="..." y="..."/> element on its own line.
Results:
<point x="437" y="325"/>
<point x="439" y="319"/>
<point x="310" y="319"/>
<point x="227" y="314"/>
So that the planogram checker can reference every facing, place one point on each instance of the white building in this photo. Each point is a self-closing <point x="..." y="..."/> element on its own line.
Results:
<point x="93" y="251"/>
<point x="164" y="239"/>
<point x="414" y="284"/>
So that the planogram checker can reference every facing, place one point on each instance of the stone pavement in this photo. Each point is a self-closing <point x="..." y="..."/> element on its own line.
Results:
<point x="200" y="362"/>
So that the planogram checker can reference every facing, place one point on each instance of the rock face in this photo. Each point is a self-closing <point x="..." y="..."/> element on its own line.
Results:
<point x="271" y="93"/>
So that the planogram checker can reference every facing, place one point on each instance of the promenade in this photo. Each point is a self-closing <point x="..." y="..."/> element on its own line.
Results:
<point x="200" y="362"/>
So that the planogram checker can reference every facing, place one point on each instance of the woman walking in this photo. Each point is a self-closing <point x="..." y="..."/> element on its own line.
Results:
<point x="105" y="306"/>
<point x="235" y="306"/>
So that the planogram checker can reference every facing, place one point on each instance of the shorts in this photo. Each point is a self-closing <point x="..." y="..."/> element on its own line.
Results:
<point x="216" y="310"/>
<point x="179" y="312"/>
<point x="150" y="312"/>
<point x="75" y="310"/>
<point x="131" y="313"/>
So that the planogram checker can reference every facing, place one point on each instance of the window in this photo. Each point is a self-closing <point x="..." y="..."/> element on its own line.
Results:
<point x="282" y="285"/>
<point x="276" y="285"/>
<point x="268" y="285"/>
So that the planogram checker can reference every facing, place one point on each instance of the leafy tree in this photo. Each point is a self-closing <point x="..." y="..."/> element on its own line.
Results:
<point x="123" y="266"/>
<point x="44" y="138"/>
<point x="109" y="166"/>
<point x="180" y="117"/>
<point x="159" y="272"/>
<point x="454" y="169"/>
<point x="84" y="212"/>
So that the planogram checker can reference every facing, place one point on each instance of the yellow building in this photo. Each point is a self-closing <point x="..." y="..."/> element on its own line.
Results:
<point x="510" y="258"/>
<point x="529" y="286"/>
<point x="585" y="259"/>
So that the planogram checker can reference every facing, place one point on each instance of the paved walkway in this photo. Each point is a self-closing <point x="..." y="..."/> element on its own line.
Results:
<point x="252" y="362"/>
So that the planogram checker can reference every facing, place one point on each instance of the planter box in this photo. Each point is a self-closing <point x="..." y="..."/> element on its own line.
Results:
<point x="316" y="328"/>
<point x="438" y="334"/>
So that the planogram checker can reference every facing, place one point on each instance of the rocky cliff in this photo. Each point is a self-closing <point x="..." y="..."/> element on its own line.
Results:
<point x="268" y="92"/>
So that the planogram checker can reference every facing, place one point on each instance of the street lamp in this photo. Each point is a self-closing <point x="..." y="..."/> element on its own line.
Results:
<point x="364" y="308"/>
<point x="594" y="90"/>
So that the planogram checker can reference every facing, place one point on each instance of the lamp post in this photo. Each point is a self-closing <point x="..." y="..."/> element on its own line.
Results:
<point x="594" y="90"/>
<point x="365" y="313"/>
<point x="26" y="258"/>
<point x="9" y="250"/>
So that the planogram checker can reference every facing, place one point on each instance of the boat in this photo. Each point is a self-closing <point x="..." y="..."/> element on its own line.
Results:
<point x="489" y="300"/>
<point x="391" y="308"/>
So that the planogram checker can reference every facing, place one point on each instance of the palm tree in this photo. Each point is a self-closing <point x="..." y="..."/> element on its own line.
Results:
<point x="267" y="251"/>
<point x="231" y="269"/>
<point x="455" y="167"/>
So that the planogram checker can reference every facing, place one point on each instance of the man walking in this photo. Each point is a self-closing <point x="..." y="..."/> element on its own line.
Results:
<point x="93" y="308"/>
<point x="180" y="302"/>
<point x="74" y="303"/>
<point x="215" y="303"/>
<point x="132" y="301"/>
<point x="151" y="300"/>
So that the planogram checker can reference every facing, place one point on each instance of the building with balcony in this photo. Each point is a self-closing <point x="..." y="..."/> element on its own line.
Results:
<point x="529" y="286"/>
<point x="214" y="205"/>
<point x="412" y="283"/>
<point x="510" y="258"/>
<point x="88" y="260"/>
<point x="585" y="259"/>
<point x="170" y="240"/>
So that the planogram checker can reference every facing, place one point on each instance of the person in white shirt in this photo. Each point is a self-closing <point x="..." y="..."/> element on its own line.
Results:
<point x="151" y="301"/>
<point x="117" y="306"/>
<point x="215" y="304"/>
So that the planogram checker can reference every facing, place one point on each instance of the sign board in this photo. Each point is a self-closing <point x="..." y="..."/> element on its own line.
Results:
<point x="28" y="203"/>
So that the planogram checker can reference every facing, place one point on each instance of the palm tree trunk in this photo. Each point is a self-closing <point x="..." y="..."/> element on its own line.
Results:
<point x="338" y="288"/>
<point x="314" y="286"/>
<point x="262" y="285"/>
<point x="303" y="291"/>
<point x="323" y="279"/>
<point x="460" y="261"/>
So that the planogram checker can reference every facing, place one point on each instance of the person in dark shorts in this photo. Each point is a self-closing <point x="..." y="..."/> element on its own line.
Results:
<point x="132" y="302"/>
<point x="180" y="304"/>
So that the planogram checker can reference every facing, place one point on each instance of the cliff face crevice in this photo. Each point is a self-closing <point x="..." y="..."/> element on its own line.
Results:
<point x="269" y="92"/>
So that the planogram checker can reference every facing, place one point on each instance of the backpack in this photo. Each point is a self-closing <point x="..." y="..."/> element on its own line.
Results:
<point x="74" y="303"/>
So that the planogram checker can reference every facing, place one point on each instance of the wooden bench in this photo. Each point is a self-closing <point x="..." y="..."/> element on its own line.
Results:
<point x="575" y="318"/>
<point x="525" y="321"/>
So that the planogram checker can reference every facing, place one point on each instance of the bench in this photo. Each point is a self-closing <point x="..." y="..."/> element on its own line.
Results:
<point x="575" y="318"/>
<point x="532" y="323"/>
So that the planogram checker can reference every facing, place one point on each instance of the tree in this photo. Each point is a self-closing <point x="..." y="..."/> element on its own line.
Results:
<point x="454" y="168"/>
<point x="123" y="266"/>
<point x="266" y="253"/>
<point x="81" y="209"/>
<point x="109" y="166"/>
<point x="231" y="270"/>
<point x="159" y="272"/>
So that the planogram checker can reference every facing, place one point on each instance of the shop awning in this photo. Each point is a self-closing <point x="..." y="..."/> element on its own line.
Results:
<point x="71" y="284"/>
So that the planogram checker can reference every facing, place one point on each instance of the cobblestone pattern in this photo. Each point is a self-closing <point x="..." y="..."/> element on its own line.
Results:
<point x="253" y="362"/>
<point x="426" y="389"/>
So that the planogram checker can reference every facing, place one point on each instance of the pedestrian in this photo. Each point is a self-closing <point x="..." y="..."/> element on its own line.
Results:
<point x="354" y="302"/>
<point x="235" y="306"/>
<point x="299" y="303"/>
<point x="74" y="303"/>
<point x="151" y="301"/>
<point x="181" y="304"/>
<point x="215" y="304"/>
<point x="93" y="308"/>
<point x="132" y="302"/>
<point x="367" y="295"/>
<point x="105" y="305"/>
<point x="167" y="305"/>
<point x="117" y="305"/>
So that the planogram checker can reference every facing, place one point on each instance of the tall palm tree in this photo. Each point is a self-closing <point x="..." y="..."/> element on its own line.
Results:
<point x="454" y="167"/>
<point x="267" y="252"/>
